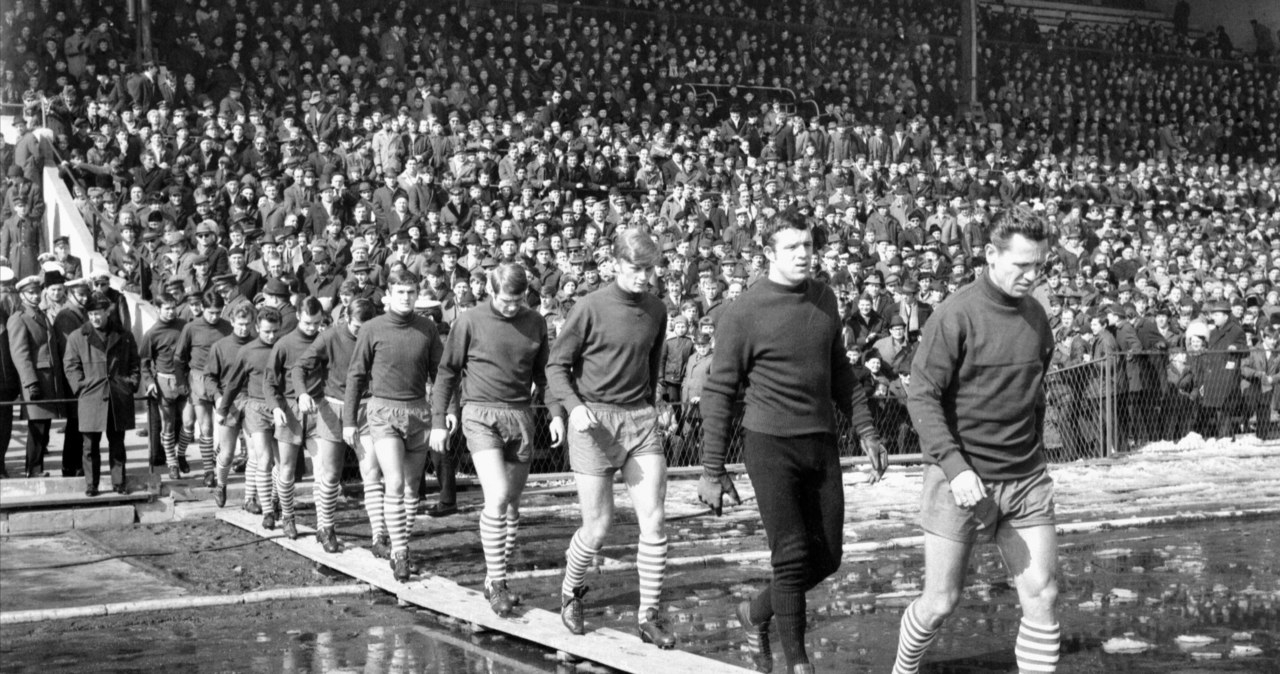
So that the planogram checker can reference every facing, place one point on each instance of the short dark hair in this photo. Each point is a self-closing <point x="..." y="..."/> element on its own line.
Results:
<point x="785" y="220"/>
<point x="212" y="300"/>
<point x="361" y="309"/>
<point x="1018" y="220"/>
<point x="402" y="277"/>
<point x="269" y="315"/>
<point x="243" y="310"/>
<point x="310" y="306"/>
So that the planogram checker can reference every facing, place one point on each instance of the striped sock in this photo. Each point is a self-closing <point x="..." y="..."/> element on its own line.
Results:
<point x="913" y="641"/>
<point x="373" y="492"/>
<point x="169" y="441"/>
<point x="206" y="453"/>
<point x="250" y="478"/>
<point x="1037" y="648"/>
<point x="513" y="530"/>
<point x="576" y="560"/>
<point x="651" y="563"/>
<point x="410" y="514"/>
<point x="284" y="487"/>
<point x="184" y="439"/>
<point x="493" y="538"/>
<point x="326" y="496"/>
<point x="264" y="478"/>
<point x="393" y="510"/>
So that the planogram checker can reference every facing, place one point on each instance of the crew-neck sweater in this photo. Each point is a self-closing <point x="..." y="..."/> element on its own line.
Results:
<point x="608" y="350"/>
<point x="197" y="337"/>
<point x="247" y="370"/>
<point x="217" y="368"/>
<point x="158" y="348"/>
<point x="322" y="369"/>
<point x="395" y="358"/>
<point x="278" y="381"/>
<point x="977" y="383"/>
<point x="784" y="343"/>
<point x="496" y="358"/>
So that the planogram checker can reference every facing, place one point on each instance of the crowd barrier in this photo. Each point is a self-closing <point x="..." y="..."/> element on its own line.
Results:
<point x="1094" y="409"/>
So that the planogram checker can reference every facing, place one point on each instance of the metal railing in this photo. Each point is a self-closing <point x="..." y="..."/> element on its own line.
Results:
<point x="1094" y="409"/>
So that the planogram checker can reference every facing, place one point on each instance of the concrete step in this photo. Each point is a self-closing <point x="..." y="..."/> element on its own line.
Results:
<point x="52" y="501"/>
<point x="17" y="490"/>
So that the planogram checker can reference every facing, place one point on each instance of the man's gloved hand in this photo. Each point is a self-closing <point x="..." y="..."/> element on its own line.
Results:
<point x="875" y="450"/>
<point x="713" y="490"/>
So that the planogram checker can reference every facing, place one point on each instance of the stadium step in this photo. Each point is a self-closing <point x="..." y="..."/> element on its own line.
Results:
<point x="53" y="504"/>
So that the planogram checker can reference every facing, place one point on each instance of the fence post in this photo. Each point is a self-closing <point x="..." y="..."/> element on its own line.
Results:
<point x="1109" y="407"/>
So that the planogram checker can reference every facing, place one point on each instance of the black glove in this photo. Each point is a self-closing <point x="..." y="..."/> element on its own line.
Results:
<point x="713" y="489"/>
<point x="33" y="393"/>
<point x="875" y="450"/>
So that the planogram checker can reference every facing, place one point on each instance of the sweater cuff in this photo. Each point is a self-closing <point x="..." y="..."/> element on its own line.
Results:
<point x="953" y="464"/>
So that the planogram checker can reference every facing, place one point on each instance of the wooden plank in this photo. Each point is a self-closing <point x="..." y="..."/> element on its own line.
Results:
<point x="608" y="647"/>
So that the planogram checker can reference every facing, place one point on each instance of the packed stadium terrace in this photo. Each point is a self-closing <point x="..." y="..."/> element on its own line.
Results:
<point x="506" y="130"/>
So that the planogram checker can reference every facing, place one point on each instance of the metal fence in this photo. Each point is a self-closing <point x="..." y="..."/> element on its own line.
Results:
<point x="1096" y="408"/>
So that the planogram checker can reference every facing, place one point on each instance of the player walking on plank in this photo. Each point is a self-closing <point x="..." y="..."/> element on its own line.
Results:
<point x="161" y="383"/>
<point x="797" y="376"/>
<point x="977" y="399"/>
<point x="292" y="410"/>
<point x="604" y="369"/>
<point x="196" y="339"/>
<point x="396" y="356"/>
<point x="497" y="352"/>
<point x="216" y="376"/>
<point x="322" y="374"/>
<point x="248" y="371"/>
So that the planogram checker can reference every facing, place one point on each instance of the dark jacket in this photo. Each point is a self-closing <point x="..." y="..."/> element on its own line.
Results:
<point x="103" y="370"/>
<point x="33" y="347"/>
<point x="1218" y="369"/>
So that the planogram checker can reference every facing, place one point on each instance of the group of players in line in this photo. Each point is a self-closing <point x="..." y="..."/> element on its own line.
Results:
<point x="388" y="386"/>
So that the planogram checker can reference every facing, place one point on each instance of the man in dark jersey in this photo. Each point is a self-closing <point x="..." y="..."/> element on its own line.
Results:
<point x="322" y="375"/>
<point x="216" y="375"/>
<point x="197" y="337"/>
<point x="797" y="377"/>
<point x="396" y="356"/>
<point x="160" y="382"/>
<point x="248" y="370"/>
<point x="604" y="369"/>
<point x="977" y="400"/>
<point x="292" y="410"/>
<point x="497" y="352"/>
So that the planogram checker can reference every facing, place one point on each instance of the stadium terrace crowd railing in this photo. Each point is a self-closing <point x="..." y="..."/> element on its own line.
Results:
<point x="1094" y="409"/>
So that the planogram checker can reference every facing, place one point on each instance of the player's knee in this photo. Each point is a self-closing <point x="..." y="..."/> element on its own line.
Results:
<point x="1040" y="595"/>
<point x="595" y="530"/>
<point x="934" y="607"/>
<point x="652" y="525"/>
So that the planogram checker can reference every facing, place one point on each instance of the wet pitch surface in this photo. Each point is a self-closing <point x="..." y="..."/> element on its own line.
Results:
<point x="1216" y="586"/>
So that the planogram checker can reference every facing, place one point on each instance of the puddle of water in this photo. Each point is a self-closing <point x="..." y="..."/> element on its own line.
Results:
<point x="243" y="644"/>
<point x="1219" y="581"/>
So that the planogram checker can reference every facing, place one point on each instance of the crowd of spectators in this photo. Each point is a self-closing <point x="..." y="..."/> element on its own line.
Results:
<point x="327" y="144"/>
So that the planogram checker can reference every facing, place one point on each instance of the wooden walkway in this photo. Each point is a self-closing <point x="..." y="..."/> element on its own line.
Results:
<point x="611" y="648"/>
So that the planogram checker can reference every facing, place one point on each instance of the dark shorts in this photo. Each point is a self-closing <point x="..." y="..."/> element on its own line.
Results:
<point x="1021" y="504"/>
<point x="406" y="420"/>
<point x="499" y="428"/>
<point x="328" y="418"/>
<point x="624" y="431"/>
<point x="298" y="428"/>
<point x="257" y="417"/>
